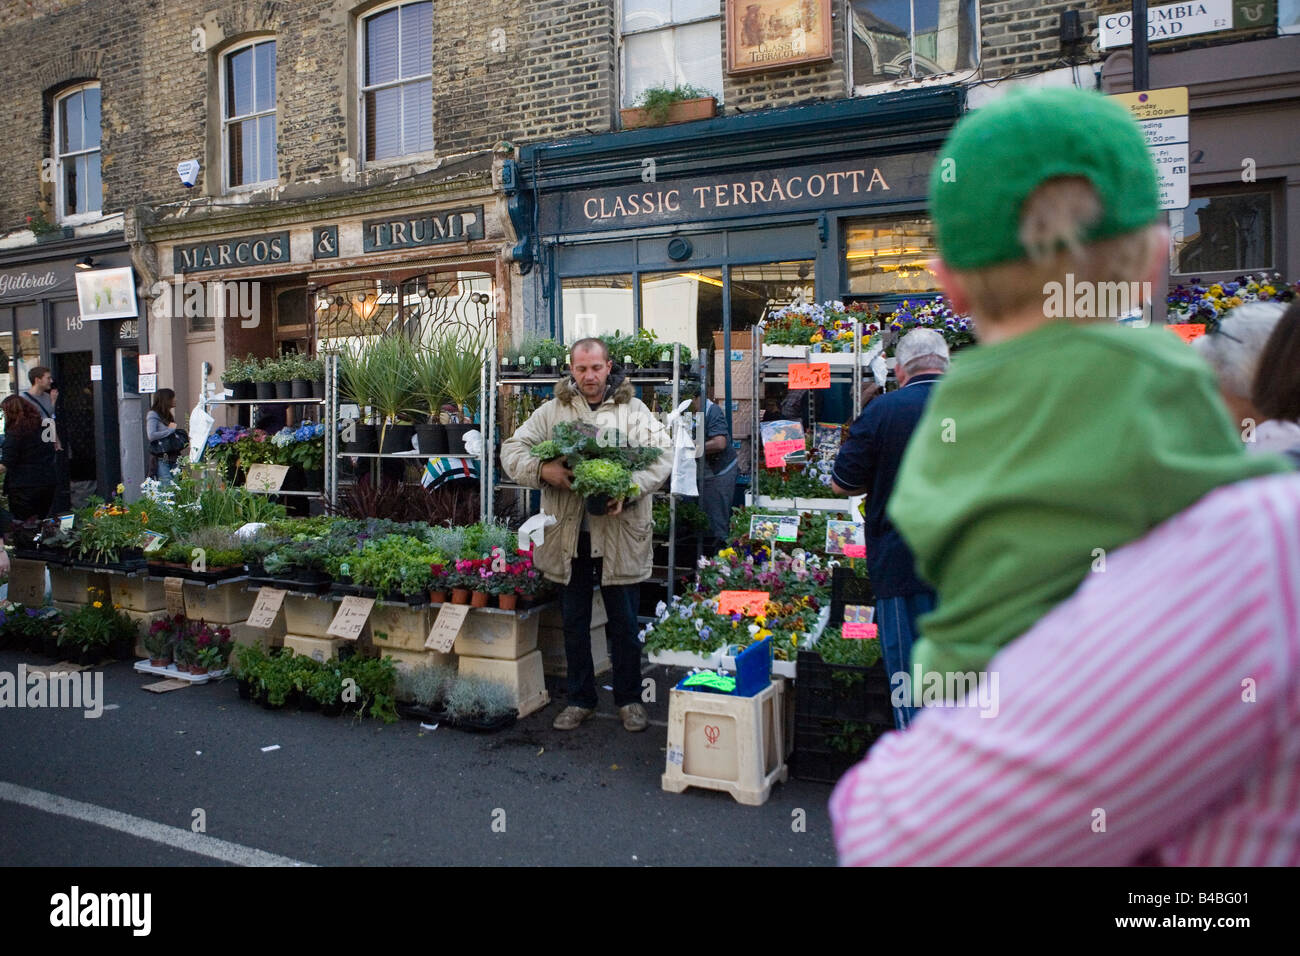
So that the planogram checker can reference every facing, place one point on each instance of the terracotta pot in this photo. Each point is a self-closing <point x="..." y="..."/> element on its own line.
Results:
<point x="198" y="669"/>
<point x="460" y="595"/>
<point x="437" y="597"/>
<point x="684" y="111"/>
<point x="159" y="661"/>
<point x="507" y="601"/>
<point x="478" y="599"/>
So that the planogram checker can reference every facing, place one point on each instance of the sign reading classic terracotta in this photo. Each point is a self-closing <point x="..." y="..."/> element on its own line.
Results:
<point x="422" y="229"/>
<point x="264" y="250"/>
<point x="777" y="34"/>
<point x="794" y="189"/>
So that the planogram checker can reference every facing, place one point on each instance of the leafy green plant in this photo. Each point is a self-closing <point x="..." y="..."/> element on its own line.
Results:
<point x="461" y="356"/>
<point x="430" y="390"/>
<point x="239" y="370"/>
<point x="325" y="685"/>
<point x="546" y="450"/>
<point x="834" y="649"/>
<point x="476" y="698"/>
<point x="392" y="376"/>
<point x="599" y="476"/>
<point x="97" y="624"/>
<point x="375" y="679"/>
<point x="356" y="373"/>
<point x="657" y="100"/>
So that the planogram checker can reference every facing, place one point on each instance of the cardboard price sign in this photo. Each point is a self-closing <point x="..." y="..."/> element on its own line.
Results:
<point x="774" y="452"/>
<point x="27" y="582"/>
<point x="748" y="603"/>
<point x="812" y="375"/>
<point x="446" y="627"/>
<point x="266" y="477"/>
<point x="351" y="618"/>
<point x="174" y="592"/>
<point x="267" y="606"/>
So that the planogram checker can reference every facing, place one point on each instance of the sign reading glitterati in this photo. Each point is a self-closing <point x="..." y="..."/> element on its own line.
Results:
<point x="729" y="195"/>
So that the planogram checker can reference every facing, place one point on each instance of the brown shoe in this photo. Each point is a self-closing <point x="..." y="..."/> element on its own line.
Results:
<point x="571" y="717"/>
<point x="635" y="719"/>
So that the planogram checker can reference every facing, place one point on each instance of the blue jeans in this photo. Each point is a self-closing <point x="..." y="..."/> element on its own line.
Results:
<point x="625" y="649"/>
<point x="164" y="472"/>
<point x="896" y="623"/>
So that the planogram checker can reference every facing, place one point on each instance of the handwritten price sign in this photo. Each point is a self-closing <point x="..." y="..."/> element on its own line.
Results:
<point x="446" y="626"/>
<point x="851" y="632"/>
<point x="269" y="601"/>
<point x="774" y="452"/>
<point x="350" y="621"/>
<point x="747" y="603"/>
<point x="812" y="375"/>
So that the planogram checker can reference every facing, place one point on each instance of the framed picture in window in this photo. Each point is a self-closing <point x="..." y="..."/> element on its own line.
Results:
<point x="107" y="294"/>
<point x="777" y="34"/>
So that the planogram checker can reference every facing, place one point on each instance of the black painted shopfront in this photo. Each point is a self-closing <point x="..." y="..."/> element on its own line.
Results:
<point x="705" y="227"/>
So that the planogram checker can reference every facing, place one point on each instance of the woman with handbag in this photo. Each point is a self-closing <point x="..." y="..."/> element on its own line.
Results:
<point x="28" y="459"/>
<point x="166" y="441"/>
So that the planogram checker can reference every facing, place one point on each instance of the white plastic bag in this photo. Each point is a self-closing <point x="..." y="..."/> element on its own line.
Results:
<point x="684" y="479"/>
<point x="200" y="428"/>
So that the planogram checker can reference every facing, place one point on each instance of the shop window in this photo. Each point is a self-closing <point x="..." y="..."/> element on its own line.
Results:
<point x="79" y="192"/>
<point x="597" y="305"/>
<point x="1231" y="232"/>
<point x="668" y="43"/>
<point x="889" y="257"/>
<point x="248" y="115"/>
<point x="416" y="306"/>
<point x="397" y="81"/>
<point x="1288" y="16"/>
<point x="909" y="38"/>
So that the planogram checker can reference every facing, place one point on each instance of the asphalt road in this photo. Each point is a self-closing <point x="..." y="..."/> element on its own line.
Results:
<point x="347" y="792"/>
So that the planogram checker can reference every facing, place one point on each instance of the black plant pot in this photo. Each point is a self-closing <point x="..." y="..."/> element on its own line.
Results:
<point x="365" y="440"/>
<point x="240" y="391"/>
<point x="332" y="710"/>
<point x="318" y="388"/>
<point x="264" y="390"/>
<point x="90" y="656"/>
<point x="245" y="689"/>
<point x="397" y="438"/>
<point x="456" y="437"/>
<point x="308" y="703"/>
<point x="597" y="504"/>
<point x="284" y="389"/>
<point x="300" y="388"/>
<point x="314" y="480"/>
<point x="432" y="439"/>
<point x="49" y="646"/>
<point x="122" y="650"/>
<point x="550" y="371"/>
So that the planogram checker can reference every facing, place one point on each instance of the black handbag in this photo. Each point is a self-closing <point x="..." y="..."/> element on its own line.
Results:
<point x="171" y="445"/>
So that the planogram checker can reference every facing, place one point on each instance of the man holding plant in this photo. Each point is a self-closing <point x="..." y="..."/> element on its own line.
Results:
<point x="610" y="548"/>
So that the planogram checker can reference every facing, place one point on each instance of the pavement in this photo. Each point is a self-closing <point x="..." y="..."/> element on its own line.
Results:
<point x="183" y="779"/>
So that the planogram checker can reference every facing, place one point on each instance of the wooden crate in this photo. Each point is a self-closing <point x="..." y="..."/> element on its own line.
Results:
<point x="73" y="586"/>
<point x="317" y="648"/>
<point x="550" y="641"/>
<point x="523" y="677"/>
<point x="400" y="628"/>
<point x="224" y="604"/>
<point x="138" y="594"/>
<point x="500" y="634"/>
<point x="263" y="637"/>
<point x="308" y="614"/>
<point x="721" y="742"/>
<point x="405" y="659"/>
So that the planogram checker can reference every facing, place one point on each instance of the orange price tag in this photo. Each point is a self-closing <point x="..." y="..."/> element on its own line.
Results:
<point x="855" y="551"/>
<point x="747" y="603"/>
<point x="774" y="452"/>
<point x="1187" y="331"/>
<point x="812" y="375"/>
<point x="858" y="632"/>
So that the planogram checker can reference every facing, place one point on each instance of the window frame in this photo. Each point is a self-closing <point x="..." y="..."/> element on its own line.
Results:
<point x="719" y="18"/>
<point x="1274" y="190"/>
<point x="362" y="89"/>
<point x="62" y="217"/>
<point x="223" y="57"/>
<point x="933" y="79"/>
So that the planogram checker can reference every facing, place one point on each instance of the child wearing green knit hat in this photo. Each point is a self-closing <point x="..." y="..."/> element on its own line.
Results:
<point x="1063" y="434"/>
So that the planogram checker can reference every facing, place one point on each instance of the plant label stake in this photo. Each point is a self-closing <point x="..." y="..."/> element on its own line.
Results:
<point x="351" y="618"/>
<point x="446" y="627"/>
<point x="269" y="602"/>
<point x="174" y="593"/>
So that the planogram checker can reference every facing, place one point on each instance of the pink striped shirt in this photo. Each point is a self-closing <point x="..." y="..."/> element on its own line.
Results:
<point x="1154" y="714"/>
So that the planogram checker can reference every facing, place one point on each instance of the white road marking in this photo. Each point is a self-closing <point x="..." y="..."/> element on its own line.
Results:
<point x="186" y="840"/>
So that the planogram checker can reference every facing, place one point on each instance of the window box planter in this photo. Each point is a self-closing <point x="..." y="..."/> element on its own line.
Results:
<point x="684" y="111"/>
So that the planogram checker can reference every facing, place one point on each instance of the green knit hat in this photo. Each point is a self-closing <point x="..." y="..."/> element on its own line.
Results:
<point x="1002" y="152"/>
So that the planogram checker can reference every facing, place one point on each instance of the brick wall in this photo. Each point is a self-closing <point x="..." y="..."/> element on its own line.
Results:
<point x="807" y="84"/>
<point x="1018" y="35"/>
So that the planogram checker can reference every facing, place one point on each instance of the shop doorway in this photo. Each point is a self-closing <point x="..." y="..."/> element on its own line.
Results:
<point x="75" y="414"/>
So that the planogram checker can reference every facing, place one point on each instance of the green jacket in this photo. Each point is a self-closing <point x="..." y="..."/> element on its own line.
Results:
<point x="622" y="541"/>
<point x="1038" y="455"/>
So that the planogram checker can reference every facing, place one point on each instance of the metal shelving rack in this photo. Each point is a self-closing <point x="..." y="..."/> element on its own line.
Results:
<point x="637" y="379"/>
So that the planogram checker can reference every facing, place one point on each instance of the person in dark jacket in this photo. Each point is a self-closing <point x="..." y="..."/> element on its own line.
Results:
<point x="160" y="424"/>
<point x="868" y="462"/>
<point x="29" y="459"/>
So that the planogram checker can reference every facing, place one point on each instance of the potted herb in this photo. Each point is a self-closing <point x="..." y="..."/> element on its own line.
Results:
<point x="602" y="481"/>
<point x="462" y="364"/>
<point x="281" y="373"/>
<point x="421" y="691"/>
<point x="300" y="371"/>
<point x="314" y="369"/>
<point x="237" y="378"/>
<point x="663" y="106"/>
<point x="392" y="389"/>
<point x="326" y="689"/>
<point x="247" y="663"/>
<point x="98" y="629"/>
<point x="262" y="374"/>
<point x="477" y="704"/>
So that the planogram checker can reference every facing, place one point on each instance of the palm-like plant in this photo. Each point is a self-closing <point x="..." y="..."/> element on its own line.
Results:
<point x="461" y="355"/>
<point x="392" y="378"/>
<point x="430" y="382"/>
<point x="355" y="372"/>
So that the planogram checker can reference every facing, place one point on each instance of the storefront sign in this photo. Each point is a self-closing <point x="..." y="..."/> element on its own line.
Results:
<point x="325" y="242"/>
<point x="794" y="189"/>
<point x="268" y="249"/>
<point x="777" y="34"/>
<point x="30" y="284"/>
<point x="1171" y="22"/>
<point x="435" y="227"/>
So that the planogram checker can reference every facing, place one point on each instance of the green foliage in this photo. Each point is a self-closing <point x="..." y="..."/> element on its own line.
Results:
<point x="239" y="370"/>
<point x="97" y="624"/>
<point x="461" y="355"/>
<point x="834" y="649"/>
<point x="375" y="683"/>
<point x="355" y="373"/>
<point x="599" y="476"/>
<point x="476" y="698"/>
<point x="426" y="685"/>
<point x="394" y="565"/>
<point x="657" y="100"/>
<point x="546" y="450"/>
<point x="430" y="390"/>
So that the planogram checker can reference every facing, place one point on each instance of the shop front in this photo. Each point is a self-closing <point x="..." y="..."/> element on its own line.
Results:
<point x="697" y="232"/>
<point x="93" y="360"/>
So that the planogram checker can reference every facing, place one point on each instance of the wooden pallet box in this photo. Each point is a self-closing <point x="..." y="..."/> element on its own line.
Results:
<point x="224" y="604"/>
<point x="317" y="648"/>
<point x="523" y="677"/>
<point x="138" y="593"/>
<point x="393" y="627"/>
<point x="500" y="634"/>
<point x="72" y="586"/>
<point x="308" y="614"/>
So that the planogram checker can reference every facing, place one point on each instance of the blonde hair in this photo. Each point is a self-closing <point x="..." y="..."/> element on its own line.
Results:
<point x="1053" y="223"/>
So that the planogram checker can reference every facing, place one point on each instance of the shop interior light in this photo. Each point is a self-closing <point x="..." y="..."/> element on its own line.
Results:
<point x="86" y="263"/>
<point x="701" y="278"/>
